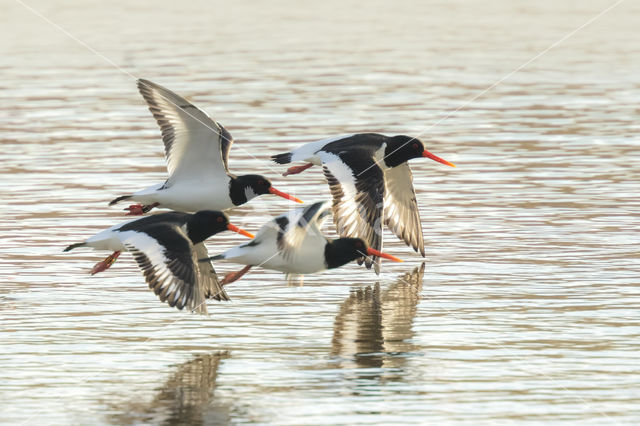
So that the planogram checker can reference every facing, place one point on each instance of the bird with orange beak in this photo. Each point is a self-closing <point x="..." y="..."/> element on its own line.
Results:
<point x="371" y="184"/>
<point x="197" y="153"/>
<point x="167" y="247"/>
<point x="293" y="243"/>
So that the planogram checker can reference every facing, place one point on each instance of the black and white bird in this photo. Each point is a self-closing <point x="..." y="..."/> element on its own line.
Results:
<point x="167" y="247"/>
<point x="293" y="243"/>
<point x="197" y="153"/>
<point x="371" y="184"/>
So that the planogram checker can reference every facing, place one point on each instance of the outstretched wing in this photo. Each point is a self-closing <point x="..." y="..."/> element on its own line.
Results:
<point x="294" y="227"/>
<point x="401" y="212"/>
<point x="168" y="262"/>
<point x="195" y="145"/>
<point x="208" y="278"/>
<point x="358" y="199"/>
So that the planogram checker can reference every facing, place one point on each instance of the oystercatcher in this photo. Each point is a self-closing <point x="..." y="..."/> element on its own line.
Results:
<point x="293" y="243"/>
<point x="167" y="247"/>
<point x="371" y="183"/>
<point x="197" y="152"/>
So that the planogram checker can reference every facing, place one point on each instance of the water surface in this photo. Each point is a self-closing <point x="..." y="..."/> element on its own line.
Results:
<point x="526" y="309"/>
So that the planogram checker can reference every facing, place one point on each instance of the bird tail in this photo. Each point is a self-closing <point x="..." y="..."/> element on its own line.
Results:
<point x="76" y="245"/>
<point x="120" y="198"/>
<point x="282" y="158"/>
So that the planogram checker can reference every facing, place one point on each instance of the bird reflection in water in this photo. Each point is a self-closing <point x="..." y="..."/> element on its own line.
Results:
<point x="185" y="398"/>
<point x="373" y="328"/>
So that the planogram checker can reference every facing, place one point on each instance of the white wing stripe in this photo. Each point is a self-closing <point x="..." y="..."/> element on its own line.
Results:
<point x="353" y="211"/>
<point x="146" y="244"/>
<point x="169" y="286"/>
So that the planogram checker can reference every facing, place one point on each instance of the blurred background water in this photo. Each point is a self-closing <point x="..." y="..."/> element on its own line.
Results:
<point x="526" y="309"/>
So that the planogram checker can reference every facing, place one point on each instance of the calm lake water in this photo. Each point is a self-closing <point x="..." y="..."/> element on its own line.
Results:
<point x="525" y="311"/>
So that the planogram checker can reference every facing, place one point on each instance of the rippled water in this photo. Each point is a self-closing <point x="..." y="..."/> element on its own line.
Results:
<point x="527" y="309"/>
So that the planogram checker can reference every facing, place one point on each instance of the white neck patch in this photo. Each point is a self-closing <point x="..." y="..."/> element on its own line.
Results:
<point x="248" y="192"/>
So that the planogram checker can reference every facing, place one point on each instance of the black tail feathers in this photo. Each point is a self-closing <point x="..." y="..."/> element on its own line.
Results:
<point x="72" y="246"/>
<point x="282" y="158"/>
<point x="121" y="198"/>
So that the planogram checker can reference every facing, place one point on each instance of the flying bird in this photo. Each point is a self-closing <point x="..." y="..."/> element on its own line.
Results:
<point x="167" y="247"/>
<point x="293" y="243"/>
<point x="371" y="184"/>
<point x="197" y="153"/>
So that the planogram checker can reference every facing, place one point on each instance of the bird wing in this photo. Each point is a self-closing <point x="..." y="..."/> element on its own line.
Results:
<point x="195" y="145"/>
<point x="166" y="257"/>
<point x="207" y="275"/>
<point x="358" y="192"/>
<point x="296" y="225"/>
<point x="290" y="242"/>
<point x="401" y="212"/>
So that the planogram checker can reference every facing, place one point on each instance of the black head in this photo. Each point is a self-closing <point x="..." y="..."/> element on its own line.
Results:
<point x="244" y="188"/>
<point x="344" y="250"/>
<point x="206" y="223"/>
<point x="401" y="149"/>
<point x="259" y="184"/>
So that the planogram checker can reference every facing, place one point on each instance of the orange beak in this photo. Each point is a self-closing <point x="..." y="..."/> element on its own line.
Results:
<point x="234" y="228"/>
<point x="427" y="154"/>
<point x="373" y="252"/>
<point x="284" y="195"/>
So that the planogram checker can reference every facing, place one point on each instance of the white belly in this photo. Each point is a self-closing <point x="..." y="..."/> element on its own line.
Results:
<point x="190" y="196"/>
<point x="307" y="261"/>
<point x="309" y="258"/>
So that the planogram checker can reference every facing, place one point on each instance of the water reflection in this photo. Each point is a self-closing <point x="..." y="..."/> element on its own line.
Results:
<point x="373" y="328"/>
<point x="533" y="241"/>
<point x="185" y="398"/>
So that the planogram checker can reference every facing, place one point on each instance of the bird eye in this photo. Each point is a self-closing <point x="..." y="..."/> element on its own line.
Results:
<point x="220" y="219"/>
<point x="260" y="182"/>
<point x="415" y="146"/>
<point x="358" y="244"/>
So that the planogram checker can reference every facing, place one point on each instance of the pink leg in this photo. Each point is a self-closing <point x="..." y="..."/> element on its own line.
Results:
<point x="235" y="276"/>
<point x="105" y="264"/>
<point x="297" y="169"/>
<point x="139" y="209"/>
